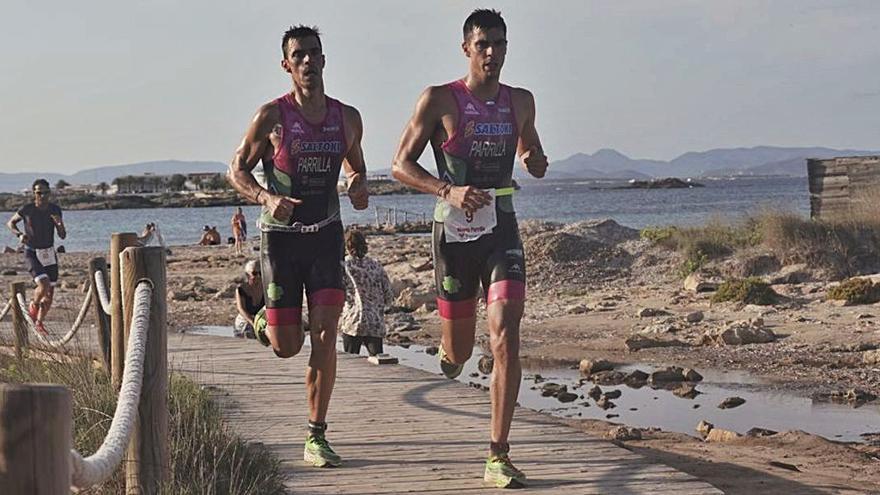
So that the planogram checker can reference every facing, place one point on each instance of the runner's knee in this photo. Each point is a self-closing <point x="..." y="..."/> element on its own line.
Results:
<point x="286" y="340"/>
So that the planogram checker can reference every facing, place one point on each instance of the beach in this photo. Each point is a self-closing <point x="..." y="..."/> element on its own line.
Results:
<point x="598" y="291"/>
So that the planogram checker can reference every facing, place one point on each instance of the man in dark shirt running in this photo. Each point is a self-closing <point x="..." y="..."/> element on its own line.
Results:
<point x="41" y="219"/>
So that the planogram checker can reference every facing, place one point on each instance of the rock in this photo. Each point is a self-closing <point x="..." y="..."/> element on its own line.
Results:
<point x="604" y="403"/>
<point x="432" y="350"/>
<point x="612" y="394"/>
<point x="740" y="333"/>
<point x="686" y="391"/>
<point x="590" y="366"/>
<point x="718" y="435"/>
<point x="754" y="265"/>
<point x="423" y="267"/>
<point x="9" y="272"/>
<point x="402" y="322"/>
<point x="624" y="433"/>
<point x="871" y="357"/>
<point x="671" y="374"/>
<point x="608" y="377"/>
<point x="181" y="295"/>
<point x="694" y="317"/>
<point x="864" y="316"/>
<point x="731" y="402"/>
<point x="704" y="427"/>
<point x="578" y="309"/>
<point x="538" y="378"/>
<point x="69" y="284"/>
<point x="696" y="282"/>
<point x="791" y="274"/>
<point x="639" y="342"/>
<point x="636" y="379"/>
<point x="659" y="328"/>
<point x="485" y="364"/>
<point x="411" y="298"/>
<point x="651" y="312"/>
<point x="566" y="397"/>
<point x="553" y="389"/>
<point x="691" y="375"/>
<point x="858" y="395"/>
<point x="595" y="393"/>
<point x="427" y="308"/>
<point x="398" y="284"/>
<point x="760" y="432"/>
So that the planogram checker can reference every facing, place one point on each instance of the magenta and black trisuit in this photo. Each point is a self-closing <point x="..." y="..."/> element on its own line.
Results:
<point x="480" y="152"/>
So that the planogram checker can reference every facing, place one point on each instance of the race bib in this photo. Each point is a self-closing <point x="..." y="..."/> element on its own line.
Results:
<point x="461" y="226"/>
<point x="46" y="256"/>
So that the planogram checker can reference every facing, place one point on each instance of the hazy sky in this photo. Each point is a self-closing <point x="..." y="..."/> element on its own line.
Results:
<point x="95" y="83"/>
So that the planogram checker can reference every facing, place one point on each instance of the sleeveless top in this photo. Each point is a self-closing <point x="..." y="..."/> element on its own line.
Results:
<point x="306" y="164"/>
<point x="482" y="149"/>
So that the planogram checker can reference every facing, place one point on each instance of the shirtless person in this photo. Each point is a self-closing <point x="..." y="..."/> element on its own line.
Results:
<point x="239" y="230"/>
<point x="42" y="219"/>
<point x="477" y="126"/>
<point x="303" y="138"/>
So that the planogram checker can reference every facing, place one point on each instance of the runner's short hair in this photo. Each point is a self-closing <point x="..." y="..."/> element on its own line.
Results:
<point x="40" y="182"/>
<point x="484" y="19"/>
<point x="356" y="243"/>
<point x="299" y="32"/>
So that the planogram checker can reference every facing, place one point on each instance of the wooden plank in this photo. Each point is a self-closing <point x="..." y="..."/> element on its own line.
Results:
<point x="401" y="430"/>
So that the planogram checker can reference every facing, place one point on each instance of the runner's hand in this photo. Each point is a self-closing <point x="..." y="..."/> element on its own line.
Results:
<point x="56" y="219"/>
<point x="23" y="238"/>
<point x="280" y="207"/>
<point x="357" y="192"/>
<point x="535" y="161"/>
<point x="468" y="198"/>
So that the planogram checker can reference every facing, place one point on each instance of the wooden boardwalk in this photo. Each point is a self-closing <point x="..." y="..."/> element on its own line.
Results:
<point x="401" y="430"/>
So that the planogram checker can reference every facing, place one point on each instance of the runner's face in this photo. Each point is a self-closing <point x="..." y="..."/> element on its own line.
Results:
<point x="305" y="62"/>
<point x="486" y="50"/>
<point x="41" y="194"/>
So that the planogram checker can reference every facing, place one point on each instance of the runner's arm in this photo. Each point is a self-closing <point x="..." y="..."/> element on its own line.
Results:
<point x="355" y="167"/>
<point x="12" y="224"/>
<point x="249" y="153"/>
<point x="529" y="148"/>
<point x="416" y="135"/>
<point x="59" y="224"/>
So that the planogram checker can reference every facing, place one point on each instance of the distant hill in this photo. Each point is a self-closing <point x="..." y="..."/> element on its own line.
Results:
<point x="759" y="160"/>
<point x="22" y="180"/>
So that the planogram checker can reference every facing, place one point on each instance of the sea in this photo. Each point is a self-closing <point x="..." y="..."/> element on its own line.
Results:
<point x="725" y="199"/>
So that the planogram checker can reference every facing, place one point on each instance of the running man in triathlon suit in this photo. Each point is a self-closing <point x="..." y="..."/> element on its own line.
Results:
<point x="42" y="219"/>
<point x="303" y="138"/>
<point x="477" y="127"/>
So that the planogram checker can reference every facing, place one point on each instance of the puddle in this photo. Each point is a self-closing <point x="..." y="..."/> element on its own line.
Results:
<point x="646" y="407"/>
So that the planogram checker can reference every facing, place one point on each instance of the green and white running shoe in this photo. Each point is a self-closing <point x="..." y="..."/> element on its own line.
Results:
<point x="450" y="369"/>
<point x="319" y="454"/>
<point x="501" y="473"/>
<point x="260" y="324"/>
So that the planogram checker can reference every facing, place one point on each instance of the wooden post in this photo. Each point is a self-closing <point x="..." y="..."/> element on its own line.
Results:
<point x="102" y="319"/>
<point x="35" y="439"/>
<point x="118" y="242"/>
<point x="377" y="216"/>
<point x="148" y="463"/>
<point x="19" y="325"/>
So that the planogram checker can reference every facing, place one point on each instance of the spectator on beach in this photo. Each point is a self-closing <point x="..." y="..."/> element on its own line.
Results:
<point x="150" y="234"/>
<point x="42" y="219"/>
<point x="239" y="230"/>
<point x="367" y="292"/>
<point x="248" y="300"/>
<point x="210" y="236"/>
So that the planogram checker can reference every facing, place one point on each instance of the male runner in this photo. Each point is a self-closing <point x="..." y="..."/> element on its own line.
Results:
<point x="41" y="219"/>
<point x="303" y="138"/>
<point x="476" y="127"/>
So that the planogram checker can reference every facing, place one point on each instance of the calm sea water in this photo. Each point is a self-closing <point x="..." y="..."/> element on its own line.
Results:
<point x="557" y="201"/>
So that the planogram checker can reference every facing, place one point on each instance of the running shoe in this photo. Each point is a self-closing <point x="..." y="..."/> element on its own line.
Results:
<point x="39" y="327"/>
<point x="319" y="454"/>
<point x="501" y="473"/>
<point x="450" y="369"/>
<point x="260" y="325"/>
<point x="33" y="311"/>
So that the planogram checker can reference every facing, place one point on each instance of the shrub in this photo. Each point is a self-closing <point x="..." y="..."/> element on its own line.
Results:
<point x="658" y="235"/>
<point x="750" y="290"/>
<point x="856" y="291"/>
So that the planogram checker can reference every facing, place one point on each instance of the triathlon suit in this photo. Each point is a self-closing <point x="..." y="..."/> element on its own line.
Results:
<point x="480" y="153"/>
<point x="306" y="251"/>
<point x="39" y="252"/>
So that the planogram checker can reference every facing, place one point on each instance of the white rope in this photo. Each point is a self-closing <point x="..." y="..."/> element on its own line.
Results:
<point x="70" y="333"/>
<point x="6" y="309"/>
<point x="103" y="293"/>
<point x="100" y="465"/>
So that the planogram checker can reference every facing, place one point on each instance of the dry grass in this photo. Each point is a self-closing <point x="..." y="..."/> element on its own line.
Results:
<point x="206" y="457"/>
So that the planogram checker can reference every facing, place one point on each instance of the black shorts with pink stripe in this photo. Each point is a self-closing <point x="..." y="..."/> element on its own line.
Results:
<point x="496" y="260"/>
<point x="292" y="262"/>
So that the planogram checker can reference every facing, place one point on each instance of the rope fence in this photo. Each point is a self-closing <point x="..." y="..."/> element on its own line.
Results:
<point x="38" y="418"/>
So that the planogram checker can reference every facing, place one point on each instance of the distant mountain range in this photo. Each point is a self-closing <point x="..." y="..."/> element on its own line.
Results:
<point x="603" y="164"/>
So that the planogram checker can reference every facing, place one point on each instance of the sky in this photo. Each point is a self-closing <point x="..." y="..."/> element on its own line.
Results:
<point x="94" y="83"/>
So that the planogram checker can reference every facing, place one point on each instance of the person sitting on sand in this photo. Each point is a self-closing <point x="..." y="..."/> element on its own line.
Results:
<point x="248" y="300"/>
<point x="210" y="236"/>
<point x="367" y="292"/>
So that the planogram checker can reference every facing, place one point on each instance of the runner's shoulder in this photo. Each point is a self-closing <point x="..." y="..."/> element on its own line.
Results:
<point x="268" y="113"/>
<point x="521" y="95"/>
<point x="437" y="100"/>
<point x="350" y="113"/>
